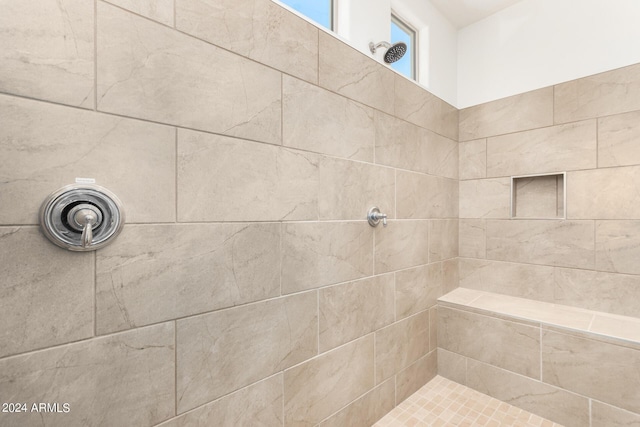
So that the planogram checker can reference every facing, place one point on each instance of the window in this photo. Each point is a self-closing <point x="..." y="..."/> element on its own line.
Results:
<point x="402" y="32"/>
<point x="320" y="11"/>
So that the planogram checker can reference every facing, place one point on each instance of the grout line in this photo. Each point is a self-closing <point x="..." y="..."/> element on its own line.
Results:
<point x="373" y="251"/>
<point x="175" y="366"/>
<point x="282" y="109"/>
<point x="597" y="143"/>
<point x="318" y="317"/>
<point x="176" y="169"/>
<point x="553" y="104"/>
<point x="466" y="370"/>
<point x="280" y="254"/>
<point x="95" y="293"/>
<point x="395" y="390"/>
<point x="395" y="194"/>
<point x="95" y="55"/>
<point x="375" y="368"/>
<point x="593" y="318"/>
<point x="318" y="58"/>
<point x="595" y="243"/>
<point x="395" y="296"/>
<point x="283" y="421"/>
<point x="591" y="412"/>
<point x="540" y="347"/>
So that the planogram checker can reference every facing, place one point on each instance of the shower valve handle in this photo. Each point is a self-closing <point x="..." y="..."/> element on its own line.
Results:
<point x="374" y="216"/>
<point x="86" y="218"/>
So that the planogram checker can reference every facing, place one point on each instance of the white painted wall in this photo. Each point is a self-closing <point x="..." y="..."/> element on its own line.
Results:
<point x="437" y="44"/>
<point x="538" y="43"/>
<point x="364" y="21"/>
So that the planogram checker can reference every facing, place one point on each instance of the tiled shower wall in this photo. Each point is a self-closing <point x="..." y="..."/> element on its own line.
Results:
<point x="590" y="128"/>
<point x="246" y="287"/>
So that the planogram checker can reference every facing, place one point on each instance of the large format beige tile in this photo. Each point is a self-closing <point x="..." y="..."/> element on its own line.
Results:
<point x="406" y="146"/>
<point x="591" y="368"/>
<point x="557" y="148"/>
<point x="368" y="409"/>
<point x="609" y="193"/>
<point x="516" y="113"/>
<point x="48" y="50"/>
<point x="402" y="244"/>
<point x="452" y="366"/>
<point x="549" y="242"/>
<point x="161" y="272"/>
<point x="419" y="106"/>
<point x="608" y="416"/>
<point x="433" y="328"/>
<point x="228" y="179"/>
<point x="259" y="404"/>
<point x="318" y="254"/>
<point x="485" y="198"/>
<point x="354" y="309"/>
<point x="443" y="239"/>
<point x="158" y="10"/>
<point x="153" y="72"/>
<point x="618" y="246"/>
<point x="618" y="140"/>
<point x="416" y="375"/>
<point x="443" y="155"/>
<point x="518" y="280"/>
<point x="401" y="344"/>
<point x="597" y="290"/>
<point x="347" y="190"/>
<point x="472" y="238"/>
<point x="315" y="119"/>
<point x="345" y="70"/>
<point x="217" y="352"/>
<point x="122" y="379"/>
<point x="473" y="159"/>
<point x="44" y="147"/>
<point x="46" y="293"/>
<point x="450" y="275"/>
<point x="258" y="29"/>
<point x="418" y="289"/>
<point x="321" y="386"/>
<point x="509" y="345"/>
<point x="603" y="94"/>
<point x="399" y="143"/>
<point x="542" y="399"/>
<point x="425" y="196"/>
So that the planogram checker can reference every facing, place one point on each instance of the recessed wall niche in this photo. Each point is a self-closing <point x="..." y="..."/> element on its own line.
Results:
<point x="539" y="196"/>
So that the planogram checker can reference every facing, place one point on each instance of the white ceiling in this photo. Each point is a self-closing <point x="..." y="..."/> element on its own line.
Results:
<point x="465" y="12"/>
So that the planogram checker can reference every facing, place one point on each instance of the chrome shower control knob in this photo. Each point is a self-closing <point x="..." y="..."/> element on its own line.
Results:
<point x="374" y="216"/>
<point x="86" y="217"/>
<point x="81" y="217"/>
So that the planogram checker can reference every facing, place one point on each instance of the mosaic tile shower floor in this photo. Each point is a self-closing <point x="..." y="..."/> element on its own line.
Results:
<point x="445" y="403"/>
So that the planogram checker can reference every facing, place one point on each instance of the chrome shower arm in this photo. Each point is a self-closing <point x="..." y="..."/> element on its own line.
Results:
<point x="374" y="47"/>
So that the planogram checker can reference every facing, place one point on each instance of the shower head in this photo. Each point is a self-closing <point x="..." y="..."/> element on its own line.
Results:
<point x="394" y="52"/>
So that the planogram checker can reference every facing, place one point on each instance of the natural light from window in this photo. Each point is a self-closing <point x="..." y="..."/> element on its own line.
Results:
<point x="401" y="32"/>
<point x="320" y="11"/>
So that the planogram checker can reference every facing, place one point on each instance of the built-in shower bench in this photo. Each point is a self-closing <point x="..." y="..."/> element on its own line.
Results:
<point x="574" y="366"/>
